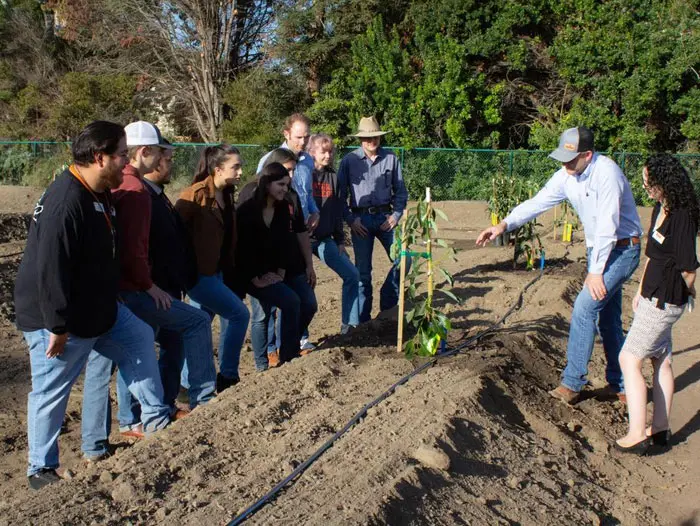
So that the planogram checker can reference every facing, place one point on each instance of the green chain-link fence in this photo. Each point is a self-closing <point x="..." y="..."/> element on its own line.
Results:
<point x="452" y="174"/>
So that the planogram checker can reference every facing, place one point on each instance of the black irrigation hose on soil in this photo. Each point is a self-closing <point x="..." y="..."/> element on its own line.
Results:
<point x="250" y="511"/>
<point x="12" y="255"/>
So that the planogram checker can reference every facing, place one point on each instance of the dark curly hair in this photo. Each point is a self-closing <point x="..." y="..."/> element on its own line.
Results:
<point x="667" y="172"/>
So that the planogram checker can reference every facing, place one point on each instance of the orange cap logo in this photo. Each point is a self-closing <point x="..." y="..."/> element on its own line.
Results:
<point x="570" y="147"/>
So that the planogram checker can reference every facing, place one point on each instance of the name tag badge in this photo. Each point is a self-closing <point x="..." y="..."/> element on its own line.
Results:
<point x="659" y="237"/>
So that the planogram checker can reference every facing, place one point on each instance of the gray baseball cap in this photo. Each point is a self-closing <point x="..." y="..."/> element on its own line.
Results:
<point x="572" y="142"/>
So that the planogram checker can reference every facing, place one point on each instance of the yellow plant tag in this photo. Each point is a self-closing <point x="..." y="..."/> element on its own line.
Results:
<point x="494" y="219"/>
<point x="566" y="234"/>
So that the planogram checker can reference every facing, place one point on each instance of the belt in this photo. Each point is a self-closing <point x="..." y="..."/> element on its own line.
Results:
<point x="627" y="242"/>
<point x="380" y="209"/>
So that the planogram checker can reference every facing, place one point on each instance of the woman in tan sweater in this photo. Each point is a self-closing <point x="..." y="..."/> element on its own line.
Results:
<point x="207" y="210"/>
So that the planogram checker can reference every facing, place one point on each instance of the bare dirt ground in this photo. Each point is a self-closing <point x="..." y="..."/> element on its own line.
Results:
<point x="473" y="440"/>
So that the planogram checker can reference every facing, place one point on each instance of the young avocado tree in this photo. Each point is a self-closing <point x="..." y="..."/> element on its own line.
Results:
<point x="416" y="237"/>
<point x="507" y="193"/>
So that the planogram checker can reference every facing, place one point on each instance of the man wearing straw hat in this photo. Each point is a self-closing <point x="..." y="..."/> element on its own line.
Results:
<point x="372" y="176"/>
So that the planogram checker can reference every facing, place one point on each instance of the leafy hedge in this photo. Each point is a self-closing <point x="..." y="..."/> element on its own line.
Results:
<point x="452" y="174"/>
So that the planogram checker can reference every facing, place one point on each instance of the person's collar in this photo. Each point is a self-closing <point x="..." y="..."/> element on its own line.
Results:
<point x="363" y="155"/>
<point x="209" y="187"/>
<point x="587" y="172"/>
<point x="300" y="156"/>
<point x="156" y="187"/>
<point x="131" y="171"/>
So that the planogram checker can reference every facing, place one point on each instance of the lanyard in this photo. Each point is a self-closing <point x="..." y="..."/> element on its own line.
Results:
<point x="75" y="173"/>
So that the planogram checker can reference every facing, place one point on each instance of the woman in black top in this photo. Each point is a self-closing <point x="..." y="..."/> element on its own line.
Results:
<point x="667" y="285"/>
<point x="269" y="264"/>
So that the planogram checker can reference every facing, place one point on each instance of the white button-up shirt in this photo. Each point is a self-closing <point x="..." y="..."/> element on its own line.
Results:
<point x="603" y="200"/>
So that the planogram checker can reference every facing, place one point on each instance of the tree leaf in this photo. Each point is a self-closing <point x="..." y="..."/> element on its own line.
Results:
<point x="450" y="295"/>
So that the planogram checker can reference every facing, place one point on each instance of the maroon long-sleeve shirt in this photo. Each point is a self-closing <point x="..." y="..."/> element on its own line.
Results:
<point x="133" y="204"/>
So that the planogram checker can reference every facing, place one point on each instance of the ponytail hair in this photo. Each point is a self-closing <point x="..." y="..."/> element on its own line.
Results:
<point x="212" y="157"/>
<point x="270" y="173"/>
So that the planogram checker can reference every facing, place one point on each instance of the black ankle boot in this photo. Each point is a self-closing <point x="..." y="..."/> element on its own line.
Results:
<point x="224" y="382"/>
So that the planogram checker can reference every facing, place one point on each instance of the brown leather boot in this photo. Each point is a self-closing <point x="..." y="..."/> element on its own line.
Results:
<point x="565" y="394"/>
<point x="273" y="358"/>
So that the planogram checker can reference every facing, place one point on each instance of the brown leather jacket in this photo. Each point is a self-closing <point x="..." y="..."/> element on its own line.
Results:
<point x="204" y="221"/>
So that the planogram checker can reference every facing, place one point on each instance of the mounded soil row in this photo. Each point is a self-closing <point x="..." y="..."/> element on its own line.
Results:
<point x="475" y="439"/>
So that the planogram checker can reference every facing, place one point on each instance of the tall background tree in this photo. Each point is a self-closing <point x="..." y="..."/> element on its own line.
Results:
<point x="449" y="73"/>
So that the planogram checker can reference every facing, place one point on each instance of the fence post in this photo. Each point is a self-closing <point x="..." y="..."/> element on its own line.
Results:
<point x="622" y="163"/>
<point x="510" y="168"/>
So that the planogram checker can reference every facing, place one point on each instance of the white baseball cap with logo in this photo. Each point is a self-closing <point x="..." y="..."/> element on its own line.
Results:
<point x="142" y="133"/>
<point x="572" y="142"/>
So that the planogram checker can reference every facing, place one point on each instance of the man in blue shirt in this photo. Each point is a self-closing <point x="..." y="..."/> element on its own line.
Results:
<point x="601" y="196"/>
<point x="372" y="177"/>
<point x="296" y="134"/>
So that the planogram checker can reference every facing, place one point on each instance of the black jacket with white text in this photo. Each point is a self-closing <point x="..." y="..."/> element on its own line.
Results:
<point x="68" y="278"/>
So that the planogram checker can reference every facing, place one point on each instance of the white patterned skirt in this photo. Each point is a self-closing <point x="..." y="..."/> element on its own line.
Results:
<point x="650" y="333"/>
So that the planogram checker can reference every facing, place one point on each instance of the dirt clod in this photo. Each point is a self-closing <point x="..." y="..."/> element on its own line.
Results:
<point x="124" y="492"/>
<point x="432" y="457"/>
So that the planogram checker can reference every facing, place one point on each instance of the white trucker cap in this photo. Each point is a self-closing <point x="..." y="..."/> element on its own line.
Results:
<point x="142" y="133"/>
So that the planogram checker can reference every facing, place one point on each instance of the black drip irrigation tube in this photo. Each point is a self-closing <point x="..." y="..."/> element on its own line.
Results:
<point x="301" y="468"/>
<point x="12" y="255"/>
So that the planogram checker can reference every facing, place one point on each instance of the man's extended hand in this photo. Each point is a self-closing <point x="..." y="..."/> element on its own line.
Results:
<point x="491" y="233"/>
<point x="596" y="286"/>
<point x="162" y="298"/>
<point x="388" y="224"/>
<point x="358" y="228"/>
<point x="57" y="344"/>
<point x="312" y="222"/>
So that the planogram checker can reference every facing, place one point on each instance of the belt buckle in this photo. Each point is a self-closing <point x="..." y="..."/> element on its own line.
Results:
<point x="372" y="209"/>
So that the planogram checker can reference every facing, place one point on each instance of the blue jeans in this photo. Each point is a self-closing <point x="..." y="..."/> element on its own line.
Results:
<point x="274" y="319"/>
<point x="96" y="421"/>
<point x="363" y="246"/>
<point x="211" y="293"/>
<point x="604" y="316"/>
<point x="296" y="303"/>
<point x="327" y="251"/>
<point x="194" y="343"/>
<point x="129" y="343"/>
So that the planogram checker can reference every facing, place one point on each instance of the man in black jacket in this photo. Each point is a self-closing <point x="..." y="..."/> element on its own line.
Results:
<point x="66" y="297"/>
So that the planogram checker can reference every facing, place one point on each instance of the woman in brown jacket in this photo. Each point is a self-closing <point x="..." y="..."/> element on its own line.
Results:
<point x="207" y="210"/>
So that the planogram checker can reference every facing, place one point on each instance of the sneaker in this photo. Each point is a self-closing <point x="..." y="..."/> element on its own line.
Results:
<point x="305" y="347"/>
<point x="345" y="328"/>
<point x="224" y="382"/>
<point x="565" y="394"/>
<point x="179" y="415"/>
<point x="135" y="431"/>
<point x="273" y="359"/>
<point x="183" y="396"/>
<point x="43" y="478"/>
<point x="93" y="459"/>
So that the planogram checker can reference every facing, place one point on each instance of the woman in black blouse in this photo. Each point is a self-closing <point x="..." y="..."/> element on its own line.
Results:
<point x="271" y="267"/>
<point x="667" y="285"/>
